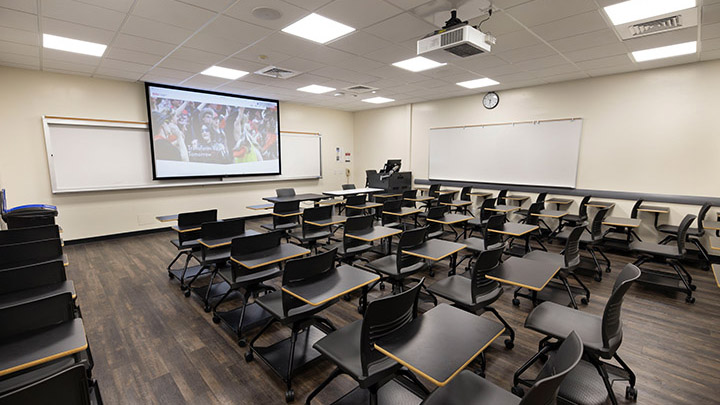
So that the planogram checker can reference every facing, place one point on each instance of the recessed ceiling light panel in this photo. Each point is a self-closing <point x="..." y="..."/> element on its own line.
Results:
<point x="378" y="100"/>
<point x="73" y="45"/>
<point x="662" y="52"/>
<point x="316" y="89"/>
<point x="318" y="29"/>
<point x="633" y="10"/>
<point x="477" y="83"/>
<point x="418" y="64"/>
<point x="225" y="73"/>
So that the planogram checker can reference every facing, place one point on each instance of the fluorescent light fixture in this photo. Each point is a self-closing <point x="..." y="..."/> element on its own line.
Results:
<point x="665" y="51"/>
<point x="316" y="89"/>
<point x="225" y="73"/>
<point x="633" y="10"/>
<point x="418" y="64"/>
<point x="318" y="28"/>
<point x="73" y="45"/>
<point x="477" y="83"/>
<point x="378" y="100"/>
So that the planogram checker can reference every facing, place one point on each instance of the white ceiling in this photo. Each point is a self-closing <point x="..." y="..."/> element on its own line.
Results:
<point x="171" y="41"/>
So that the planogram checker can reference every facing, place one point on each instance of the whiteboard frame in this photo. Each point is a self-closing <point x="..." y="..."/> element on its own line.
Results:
<point x="48" y="120"/>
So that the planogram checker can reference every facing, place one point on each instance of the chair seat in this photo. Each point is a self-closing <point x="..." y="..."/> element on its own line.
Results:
<point x="216" y="255"/>
<point x="388" y="265"/>
<point x="188" y="244"/>
<point x="477" y="222"/>
<point x="458" y="289"/>
<point x="522" y="212"/>
<point x="25" y="377"/>
<point x="468" y="388"/>
<point x="436" y="234"/>
<point x="577" y="219"/>
<point x="558" y="321"/>
<point x="311" y="236"/>
<point x="475" y="244"/>
<point x="585" y="237"/>
<point x="280" y="227"/>
<point x="32" y="294"/>
<point x="546" y="257"/>
<point x="272" y="302"/>
<point x="461" y="203"/>
<point x="669" y="251"/>
<point x="352" y="251"/>
<point x="673" y="230"/>
<point x="342" y="347"/>
<point x="251" y="277"/>
<point x="393" y="225"/>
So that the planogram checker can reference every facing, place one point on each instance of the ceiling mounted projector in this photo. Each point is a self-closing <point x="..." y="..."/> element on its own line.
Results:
<point x="457" y="38"/>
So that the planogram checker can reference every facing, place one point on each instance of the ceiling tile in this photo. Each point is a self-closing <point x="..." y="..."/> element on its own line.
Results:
<point x="184" y="65"/>
<point x="571" y="26"/>
<point x="527" y="53"/>
<point x="710" y="55"/>
<point x="49" y="63"/>
<point x="500" y="23"/>
<point x="587" y="40"/>
<point x="20" y="5"/>
<point x="401" y="28"/>
<point x="540" y="12"/>
<point x="170" y="73"/>
<point x="612" y="61"/>
<point x="344" y="74"/>
<point x="76" y="31"/>
<point x="242" y="10"/>
<point x="612" y="70"/>
<point x="122" y="65"/>
<point x="212" y="5"/>
<point x="204" y="82"/>
<point x="498" y="70"/>
<point x="431" y="83"/>
<point x="240" y="64"/>
<point x="145" y="45"/>
<point x="710" y="31"/>
<point x="81" y="13"/>
<point x="711" y="44"/>
<point x="711" y="13"/>
<point x="218" y="45"/>
<point x="541" y="63"/>
<point x="117" y="5"/>
<point x="19" y="36"/>
<point x="359" y="43"/>
<point x="237" y="87"/>
<point x="197" y="55"/>
<point x="563" y="69"/>
<point x="438" y="73"/>
<point x="514" y="40"/>
<point x="359" y="14"/>
<point x="301" y="64"/>
<point x="19" y="20"/>
<point x="678" y="60"/>
<point x="597" y="52"/>
<point x="18" y="49"/>
<point x="408" y="4"/>
<point x="70" y="57"/>
<point x="173" y="12"/>
<point x="160" y="79"/>
<point x="565" y="77"/>
<point x="505" y="4"/>
<point x="391" y="54"/>
<point x="358" y="64"/>
<point x="104" y="72"/>
<point x="233" y="29"/>
<point x="16" y="59"/>
<point x="310" y="5"/>
<point x="142" y="27"/>
<point x="479" y="62"/>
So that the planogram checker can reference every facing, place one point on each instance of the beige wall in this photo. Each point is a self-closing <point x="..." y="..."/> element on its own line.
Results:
<point x="28" y="95"/>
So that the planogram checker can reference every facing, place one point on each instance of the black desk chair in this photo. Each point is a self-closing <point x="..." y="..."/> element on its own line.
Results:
<point x="187" y="243"/>
<point x="283" y="218"/>
<point x="531" y="219"/>
<point x="28" y="253"/>
<point x="433" y="190"/>
<point x="470" y="389"/>
<point x="501" y="197"/>
<point x="285" y="192"/>
<point x="489" y="239"/>
<point x="297" y="315"/>
<point x="389" y="220"/>
<point x="477" y="293"/>
<point x="435" y="229"/>
<point x="398" y="268"/>
<point x="694" y="235"/>
<point x="33" y="282"/>
<point x="601" y="336"/>
<point x="35" y="233"/>
<point x="355" y="201"/>
<point x="592" y="240"/>
<point x="669" y="255"/>
<point x="457" y="205"/>
<point x="351" y="249"/>
<point x="66" y="387"/>
<point x="310" y="234"/>
<point x="484" y="214"/>
<point x="409" y="194"/>
<point x="351" y="347"/>
<point x="540" y="199"/>
<point x="581" y="218"/>
<point x="568" y="261"/>
<point x="623" y="230"/>
<point x="247" y="281"/>
<point x="348" y="187"/>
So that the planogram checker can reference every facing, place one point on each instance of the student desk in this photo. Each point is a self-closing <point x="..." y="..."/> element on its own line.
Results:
<point x="344" y="280"/>
<point x="519" y="198"/>
<point x="366" y="206"/>
<point x="503" y="208"/>
<point x="215" y="243"/>
<point x="405" y="211"/>
<point x="287" y="214"/>
<point x="167" y="218"/>
<point x="377" y="233"/>
<point x="600" y="204"/>
<point x="333" y="220"/>
<point x="516" y="230"/>
<point x="260" y="207"/>
<point x="453" y="219"/>
<point x="41" y="347"/>
<point x="298" y="197"/>
<point x="458" y="205"/>
<point x="184" y="229"/>
<point x="353" y="191"/>
<point x="440" y="343"/>
<point x="714" y="242"/>
<point x="277" y="254"/>
<point x="654" y="209"/>
<point x="424" y="200"/>
<point x="716" y="273"/>
<point x="559" y="201"/>
<point x="436" y="250"/>
<point x="554" y="214"/>
<point x="533" y="275"/>
<point x="627" y="223"/>
<point x="482" y="194"/>
<point x="712" y="225"/>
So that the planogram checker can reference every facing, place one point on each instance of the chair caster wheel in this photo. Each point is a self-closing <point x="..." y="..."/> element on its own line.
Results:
<point x="607" y="270"/>
<point x="480" y="373"/>
<point x="516" y="302"/>
<point x="382" y="286"/>
<point x="693" y="287"/>
<point x="346" y="297"/>
<point x="242" y="342"/>
<point x="170" y="275"/>
<point x="289" y="395"/>
<point x="432" y="273"/>
<point x="584" y="301"/>
<point x="249" y="357"/>
<point x="631" y="393"/>
<point x="360" y="310"/>
<point x="216" y="319"/>
<point x="509" y="344"/>
<point x="183" y="287"/>
<point x="597" y="277"/>
<point x="690" y="300"/>
<point x="206" y="308"/>
<point x="517" y="391"/>
<point x="187" y="292"/>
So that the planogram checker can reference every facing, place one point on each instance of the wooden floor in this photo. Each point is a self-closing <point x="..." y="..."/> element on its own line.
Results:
<point x="152" y="345"/>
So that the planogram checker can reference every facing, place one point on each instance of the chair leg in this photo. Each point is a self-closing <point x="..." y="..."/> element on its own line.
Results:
<point x="687" y="274"/>
<point x="583" y="286"/>
<point x="569" y="291"/>
<point x="540" y="353"/>
<point x="598" y="275"/>
<point x="410" y="376"/>
<point x="635" y="235"/>
<point x="607" y="260"/>
<point x="180" y="253"/>
<point x="688" y="287"/>
<point x="667" y="239"/>
<point x="606" y="380"/>
<point x="703" y="253"/>
<point x="291" y="361"/>
<point x="509" y="343"/>
<point x="335" y="373"/>
<point x="631" y="375"/>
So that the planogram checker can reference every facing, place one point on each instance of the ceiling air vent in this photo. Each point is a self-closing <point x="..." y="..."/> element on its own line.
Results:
<point x="665" y="23"/>
<point x="651" y="27"/>
<point x="276" y="72"/>
<point x="359" y="89"/>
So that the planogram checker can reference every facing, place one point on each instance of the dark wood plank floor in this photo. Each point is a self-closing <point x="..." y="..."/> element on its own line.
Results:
<point x="152" y="345"/>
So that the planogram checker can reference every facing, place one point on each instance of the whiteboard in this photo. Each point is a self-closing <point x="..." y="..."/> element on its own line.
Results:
<point x="91" y="155"/>
<point x="543" y="153"/>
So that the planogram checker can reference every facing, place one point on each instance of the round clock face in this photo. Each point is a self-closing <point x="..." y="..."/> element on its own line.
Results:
<point x="491" y="100"/>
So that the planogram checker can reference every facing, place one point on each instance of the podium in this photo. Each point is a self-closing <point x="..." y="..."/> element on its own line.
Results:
<point x="393" y="183"/>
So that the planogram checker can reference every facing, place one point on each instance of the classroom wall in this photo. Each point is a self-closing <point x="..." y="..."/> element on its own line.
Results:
<point x="28" y="95"/>
<point x="652" y="131"/>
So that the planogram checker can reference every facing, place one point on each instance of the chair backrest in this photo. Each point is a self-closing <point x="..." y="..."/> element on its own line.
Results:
<point x="596" y="225"/>
<point x="305" y="268"/>
<point x="32" y="276"/>
<point x="285" y="192"/>
<point x="572" y="247"/>
<point x="384" y="316"/>
<point x="636" y="206"/>
<point x="255" y="243"/>
<point x="358" y="223"/>
<point x="465" y="193"/>
<point x="501" y="196"/>
<point x="436" y="212"/>
<point x="355" y="200"/>
<point x="434" y="188"/>
<point x="494" y="222"/>
<point x="348" y="187"/>
<point x="194" y="220"/>
<point x="66" y="387"/>
<point x="541" y="198"/>
<point x="34" y="315"/>
<point x="544" y="390"/>
<point x="682" y="232"/>
<point x="535" y="208"/>
<point x="392" y="205"/>
<point x="582" y="210"/>
<point x="485" y="213"/>
<point x="22" y="254"/>
<point x="486" y="261"/>
<point x="317" y="213"/>
<point x="20" y="235"/>
<point x="701" y="216"/>
<point x="409" y="240"/>
<point x="412" y="193"/>
<point x="223" y="229"/>
<point x="611" y="322"/>
<point x="286" y="207"/>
